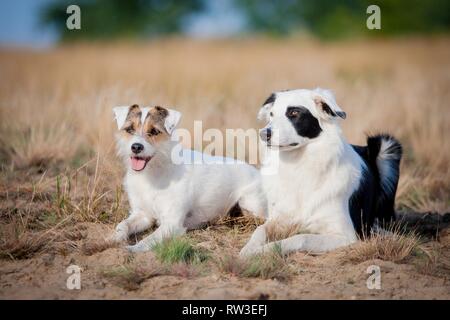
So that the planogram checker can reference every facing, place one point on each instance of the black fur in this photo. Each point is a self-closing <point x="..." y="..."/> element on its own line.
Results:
<point x="361" y="204"/>
<point x="326" y="108"/>
<point x="270" y="99"/>
<point x="372" y="200"/>
<point x="304" y="122"/>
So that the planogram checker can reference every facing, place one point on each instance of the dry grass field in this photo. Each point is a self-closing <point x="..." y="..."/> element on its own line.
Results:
<point x="60" y="180"/>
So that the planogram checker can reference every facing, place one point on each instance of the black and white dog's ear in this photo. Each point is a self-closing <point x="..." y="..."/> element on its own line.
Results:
<point x="326" y="104"/>
<point x="263" y="113"/>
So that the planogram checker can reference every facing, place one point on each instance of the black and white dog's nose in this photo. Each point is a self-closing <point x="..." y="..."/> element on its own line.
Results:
<point x="137" y="147"/>
<point x="265" y="134"/>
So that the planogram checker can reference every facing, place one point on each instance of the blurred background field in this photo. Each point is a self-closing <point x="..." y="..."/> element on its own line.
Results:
<point x="215" y="61"/>
<point x="56" y="105"/>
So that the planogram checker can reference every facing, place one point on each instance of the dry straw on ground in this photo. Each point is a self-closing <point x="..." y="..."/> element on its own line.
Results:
<point x="395" y="245"/>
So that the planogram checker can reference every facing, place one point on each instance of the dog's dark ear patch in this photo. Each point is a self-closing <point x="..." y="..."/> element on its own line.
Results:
<point x="133" y="119"/>
<point x="270" y="99"/>
<point x="342" y="114"/>
<point x="326" y="108"/>
<point x="134" y="111"/>
<point x="158" y="114"/>
<point x="162" y="112"/>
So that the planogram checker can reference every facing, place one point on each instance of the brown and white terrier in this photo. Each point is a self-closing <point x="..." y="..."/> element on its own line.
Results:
<point x="168" y="186"/>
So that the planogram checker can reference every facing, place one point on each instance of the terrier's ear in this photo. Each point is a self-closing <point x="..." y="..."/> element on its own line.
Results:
<point x="326" y="104"/>
<point x="263" y="113"/>
<point x="172" y="120"/>
<point x="120" y="114"/>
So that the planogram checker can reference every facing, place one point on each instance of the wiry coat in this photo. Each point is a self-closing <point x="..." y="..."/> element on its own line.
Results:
<point x="175" y="188"/>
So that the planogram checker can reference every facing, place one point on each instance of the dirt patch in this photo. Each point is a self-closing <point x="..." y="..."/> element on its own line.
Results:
<point x="114" y="273"/>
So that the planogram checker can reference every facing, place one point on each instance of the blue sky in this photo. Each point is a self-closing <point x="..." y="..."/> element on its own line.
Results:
<point x="221" y="19"/>
<point x="19" y="23"/>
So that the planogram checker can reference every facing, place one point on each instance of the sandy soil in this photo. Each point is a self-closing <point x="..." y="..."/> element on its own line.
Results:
<point x="318" y="277"/>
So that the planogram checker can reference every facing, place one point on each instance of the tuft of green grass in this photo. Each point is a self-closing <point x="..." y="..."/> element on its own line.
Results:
<point x="179" y="249"/>
<point x="48" y="219"/>
<point x="270" y="265"/>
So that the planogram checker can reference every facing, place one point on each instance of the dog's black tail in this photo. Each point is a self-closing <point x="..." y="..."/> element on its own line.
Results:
<point x="384" y="154"/>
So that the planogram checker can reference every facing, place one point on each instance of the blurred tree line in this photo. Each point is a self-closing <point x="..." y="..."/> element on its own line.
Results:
<point x="109" y="19"/>
<point x="347" y="18"/>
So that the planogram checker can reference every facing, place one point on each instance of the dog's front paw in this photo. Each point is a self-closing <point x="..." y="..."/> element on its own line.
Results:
<point x="138" y="247"/>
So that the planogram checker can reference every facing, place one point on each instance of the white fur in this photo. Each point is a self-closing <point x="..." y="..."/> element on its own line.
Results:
<point x="180" y="197"/>
<point x="388" y="174"/>
<point x="120" y="115"/>
<point x="315" y="180"/>
<point x="172" y="120"/>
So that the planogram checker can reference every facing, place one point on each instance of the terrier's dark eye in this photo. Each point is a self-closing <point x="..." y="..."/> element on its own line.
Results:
<point x="129" y="130"/>
<point x="271" y="114"/>
<point x="153" y="132"/>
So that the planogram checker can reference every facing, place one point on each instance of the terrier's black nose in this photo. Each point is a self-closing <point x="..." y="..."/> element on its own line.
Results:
<point x="137" y="147"/>
<point x="266" y="134"/>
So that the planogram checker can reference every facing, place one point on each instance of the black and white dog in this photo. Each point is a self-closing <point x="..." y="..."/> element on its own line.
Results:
<point x="334" y="190"/>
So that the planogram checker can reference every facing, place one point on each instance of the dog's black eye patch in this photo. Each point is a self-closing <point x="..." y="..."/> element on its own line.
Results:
<point x="153" y="132"/>
<point x="303" y="121"/>
<point x="129" y="129"/>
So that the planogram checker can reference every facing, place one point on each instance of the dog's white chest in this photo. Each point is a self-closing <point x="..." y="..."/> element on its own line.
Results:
<point x="284" y="197"/>
<point x="144" y="197"/>
<point x="295" y="192"/>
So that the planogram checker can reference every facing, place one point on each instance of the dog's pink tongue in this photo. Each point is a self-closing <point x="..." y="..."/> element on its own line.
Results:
<point x="137" y="164"/>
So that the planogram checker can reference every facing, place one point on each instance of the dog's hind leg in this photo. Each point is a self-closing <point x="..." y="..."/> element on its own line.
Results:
<point x="133" y="224"/>
<point x="254" y="201"/>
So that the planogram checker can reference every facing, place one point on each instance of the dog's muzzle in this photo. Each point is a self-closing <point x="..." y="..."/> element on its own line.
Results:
<point x="138" y="163"/>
